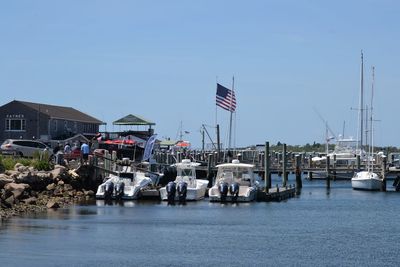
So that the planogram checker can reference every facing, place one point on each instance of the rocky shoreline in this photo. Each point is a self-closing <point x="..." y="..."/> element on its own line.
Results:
<point x="25" y="190"/>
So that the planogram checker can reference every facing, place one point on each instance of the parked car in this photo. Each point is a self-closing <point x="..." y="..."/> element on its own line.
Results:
<point x="24" y="148"/>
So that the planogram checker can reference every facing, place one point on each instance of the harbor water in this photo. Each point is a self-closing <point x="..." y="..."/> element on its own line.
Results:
<point x="339" y="227"/>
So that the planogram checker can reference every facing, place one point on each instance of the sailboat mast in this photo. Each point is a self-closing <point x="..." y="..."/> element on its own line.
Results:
<point x="371" y="124"/>
<point x="362" y="103"/>
<point x="230" y="119"/>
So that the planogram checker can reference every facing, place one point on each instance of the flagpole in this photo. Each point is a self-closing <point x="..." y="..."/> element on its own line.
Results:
<point x="230" y="109"/>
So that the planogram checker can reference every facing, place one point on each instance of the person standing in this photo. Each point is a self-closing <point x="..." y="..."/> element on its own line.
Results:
<point x="85" y="150"/>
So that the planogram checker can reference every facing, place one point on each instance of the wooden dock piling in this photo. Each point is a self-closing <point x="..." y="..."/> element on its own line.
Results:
<point x="299" y="183"/>
<point x="267" y="174"/>
<point x="384" y="174"/>
<point x="284" y="166"/>
<point x="328" y="173"/>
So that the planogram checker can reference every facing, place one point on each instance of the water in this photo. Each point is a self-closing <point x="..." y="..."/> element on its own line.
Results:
<point x="320" y="228"/>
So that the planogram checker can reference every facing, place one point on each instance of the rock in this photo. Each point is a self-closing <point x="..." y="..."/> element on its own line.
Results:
<point x="68" y="187"/>
<point x="37" y="180"/>
<point x="30" y="201"/>
<point x="31" y="169"/>
<point x="10" y="201"/>
<point x="58" y="172"/>
<point x="51" y="187"/>
<point x="15" y="186"/>
<point x="20" y="168"/>
<point x="4" y="179"/>
<point x="52" y="204"/>
<point x="60" y="182"/>
<point x="88" y="193"/>
<point x="44" y="175"/>
<point x="16" y="189"/>
<point x="12" y="174"/>
<point x="24" y="177"/>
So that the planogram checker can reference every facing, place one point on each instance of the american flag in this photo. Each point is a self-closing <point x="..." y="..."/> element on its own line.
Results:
<point x="226" y="98"/>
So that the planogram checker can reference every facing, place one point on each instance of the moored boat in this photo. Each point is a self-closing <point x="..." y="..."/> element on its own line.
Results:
<point x="366" y="180"/>
<point x="235" y="182"/>
<point x="124" y="185"/>
<point x="186" y="186"/>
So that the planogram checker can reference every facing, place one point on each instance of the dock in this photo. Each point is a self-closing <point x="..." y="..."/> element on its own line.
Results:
<point x="276" y="194"/>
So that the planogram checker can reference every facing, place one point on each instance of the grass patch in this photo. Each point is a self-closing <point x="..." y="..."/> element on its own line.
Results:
<point x="40" y="161"/>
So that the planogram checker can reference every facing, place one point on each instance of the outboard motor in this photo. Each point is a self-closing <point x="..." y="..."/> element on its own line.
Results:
<point x="223" y="190"/>
<point x="108" y="190"/>
<point x="119" y="190"/>
<point x="171" y="190"/>
<point x="182" y="190"/>
<point x="234" y="191"/>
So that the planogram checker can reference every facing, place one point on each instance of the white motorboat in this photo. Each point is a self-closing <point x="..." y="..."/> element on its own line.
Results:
<point x="186" y="186"/>
<point x="234" y="182"/>
<point x="366" y="180"/>
<point x="125" y="185"/>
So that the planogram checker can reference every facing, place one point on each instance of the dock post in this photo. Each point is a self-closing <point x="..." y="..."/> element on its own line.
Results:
<point x="334" y="167"/>
<point x="384" y="173"/>
<point x="328" y="173"/>
<point x="267" y="175"/>
<point x="310" y="174"/>
<point x="299" y="183"/>
<point x="209" y="166"/>
<point x="284" y="163"/>
<point x="358" y="163"/>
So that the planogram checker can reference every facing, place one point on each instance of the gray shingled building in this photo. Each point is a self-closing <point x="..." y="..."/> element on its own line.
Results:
<point x="28" y="120"/>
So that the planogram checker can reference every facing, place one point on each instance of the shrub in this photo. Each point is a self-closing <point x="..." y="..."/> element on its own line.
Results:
<point x="41" y="165"/>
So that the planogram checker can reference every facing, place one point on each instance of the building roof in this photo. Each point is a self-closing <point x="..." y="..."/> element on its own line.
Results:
<point x="132" y="120"/>
<point x="59" y="112"/>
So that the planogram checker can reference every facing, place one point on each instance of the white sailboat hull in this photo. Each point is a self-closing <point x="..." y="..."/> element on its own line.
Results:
<point x="366" y="181"/>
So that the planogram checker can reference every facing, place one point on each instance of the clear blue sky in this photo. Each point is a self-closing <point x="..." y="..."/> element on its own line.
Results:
<point x="161" y="60"/>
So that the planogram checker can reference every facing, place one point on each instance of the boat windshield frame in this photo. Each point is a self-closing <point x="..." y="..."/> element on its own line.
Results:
<point x="243" y="175"/>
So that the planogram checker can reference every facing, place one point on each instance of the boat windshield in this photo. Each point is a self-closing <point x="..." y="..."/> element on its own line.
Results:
<point x="346" y="145"/>
<point x="185" y="172"/>
<point x="241" y="175"/>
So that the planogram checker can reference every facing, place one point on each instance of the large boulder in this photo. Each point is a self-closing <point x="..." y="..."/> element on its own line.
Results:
<point x="17" y="190"/>
<point x="5" y="179"/>
<point x="37" y="180"/>
<point x="58" y="172"/>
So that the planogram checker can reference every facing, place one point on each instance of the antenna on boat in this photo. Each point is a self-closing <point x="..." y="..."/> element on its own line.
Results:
<point x="344" y="126"/>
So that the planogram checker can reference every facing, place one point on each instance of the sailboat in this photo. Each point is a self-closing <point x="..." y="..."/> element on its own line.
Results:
<point x="367" y="180"/>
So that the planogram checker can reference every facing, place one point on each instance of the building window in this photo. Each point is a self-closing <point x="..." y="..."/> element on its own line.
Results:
<point x="55" y="126"/>
<point x="15" y="125"/>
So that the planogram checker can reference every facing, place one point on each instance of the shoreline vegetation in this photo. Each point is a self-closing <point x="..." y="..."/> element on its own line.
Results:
<point x="35" y="185"/>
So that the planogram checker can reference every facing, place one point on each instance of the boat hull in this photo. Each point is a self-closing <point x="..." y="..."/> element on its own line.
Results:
<point x="365" y="181"/>
<point x="192" y="194"/>
<point x="248" y="195"/>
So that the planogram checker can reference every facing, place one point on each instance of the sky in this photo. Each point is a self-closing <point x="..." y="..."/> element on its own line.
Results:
<point x="291" y="59"/>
